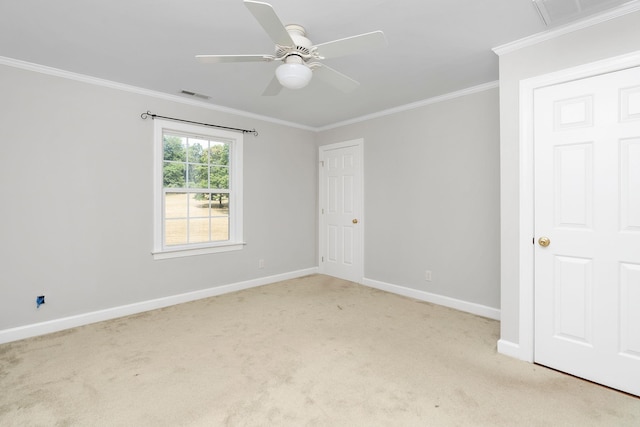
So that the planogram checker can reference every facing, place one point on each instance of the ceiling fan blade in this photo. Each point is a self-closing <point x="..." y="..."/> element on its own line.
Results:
<point x="214" y="59"/>
<point x="335" y="78"/>
<point x="267" y="17"/>
<point x="274" y="87"/>
<point x="351" y="45"/>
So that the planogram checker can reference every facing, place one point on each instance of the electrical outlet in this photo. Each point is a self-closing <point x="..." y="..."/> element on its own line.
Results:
<point x="261" y="263"/>
<point x="427" y="275"/>
<point x="39" y="300"/>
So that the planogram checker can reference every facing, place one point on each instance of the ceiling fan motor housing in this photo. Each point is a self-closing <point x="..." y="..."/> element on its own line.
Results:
<point x="302" y="45"/>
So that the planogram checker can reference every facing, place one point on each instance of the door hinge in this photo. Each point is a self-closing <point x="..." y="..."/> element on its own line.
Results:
<point x="322" y="259"/>
<point x="322" y="211"/>
<point x="322" y="163"/>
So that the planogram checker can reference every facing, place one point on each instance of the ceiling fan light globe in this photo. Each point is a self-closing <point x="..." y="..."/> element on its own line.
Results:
<point x="293" y="76"/>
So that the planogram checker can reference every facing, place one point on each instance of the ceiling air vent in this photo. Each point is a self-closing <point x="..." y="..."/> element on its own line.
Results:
<point x="197" y="95"/>
<point x="560" y="11"/>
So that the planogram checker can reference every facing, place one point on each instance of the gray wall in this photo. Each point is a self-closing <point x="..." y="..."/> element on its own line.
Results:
<point x="605" y="40"/>
<point x="431" y="184"/>
<point x="76" y="187"/>
<point x="76" y="180"/>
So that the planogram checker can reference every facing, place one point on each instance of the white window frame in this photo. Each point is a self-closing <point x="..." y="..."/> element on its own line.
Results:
<point x="235" y="242"/>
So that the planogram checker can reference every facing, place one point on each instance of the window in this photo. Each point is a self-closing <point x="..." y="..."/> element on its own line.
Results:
<point x="198" y="190"/>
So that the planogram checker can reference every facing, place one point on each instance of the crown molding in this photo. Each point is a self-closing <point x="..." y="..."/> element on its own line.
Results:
<point x="16" y="63"/>
<point x="568" y="28"/>
<point x="414" y="105"/>
<point x="29" y="66"/>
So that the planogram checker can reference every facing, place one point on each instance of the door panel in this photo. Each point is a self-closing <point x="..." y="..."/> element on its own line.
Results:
<point x="630" y="312"/>
<point x="574" y="185"/>
<point x="630" y="184"/>
<point x="573" y="297"/>
<point x="587" y="202"/>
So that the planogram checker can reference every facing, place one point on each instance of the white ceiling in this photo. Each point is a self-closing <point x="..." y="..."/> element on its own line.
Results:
<point x="435" y="47"/>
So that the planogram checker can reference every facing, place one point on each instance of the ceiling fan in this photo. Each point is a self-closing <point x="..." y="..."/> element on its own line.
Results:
<point x="300" y="57"/>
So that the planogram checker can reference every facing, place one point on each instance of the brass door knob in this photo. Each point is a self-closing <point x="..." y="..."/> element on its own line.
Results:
<point x="544" y="242"/>
<point x="355" y="221"/>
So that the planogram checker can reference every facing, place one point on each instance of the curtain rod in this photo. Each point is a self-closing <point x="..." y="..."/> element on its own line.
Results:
<point x="153" y="116"/>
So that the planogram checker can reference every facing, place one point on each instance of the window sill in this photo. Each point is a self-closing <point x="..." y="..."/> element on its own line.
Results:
<point x="184" y="252"/>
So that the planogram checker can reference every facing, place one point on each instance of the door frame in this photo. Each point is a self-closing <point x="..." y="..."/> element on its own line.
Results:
<point x="322" y="244"/>
<point x="526" y="320"/>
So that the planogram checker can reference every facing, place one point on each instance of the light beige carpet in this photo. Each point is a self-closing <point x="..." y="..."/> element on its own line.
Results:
<point x="314" y="351"/>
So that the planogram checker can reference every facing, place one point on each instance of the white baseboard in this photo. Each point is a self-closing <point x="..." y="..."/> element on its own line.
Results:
<point x="28" y="331"/>
<point x="469" y="307"/>
<point x="514" y="350"/>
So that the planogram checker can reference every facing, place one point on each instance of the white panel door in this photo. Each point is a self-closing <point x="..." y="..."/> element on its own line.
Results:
<point x="587" y="203"/>
<point x="341" y="211"/>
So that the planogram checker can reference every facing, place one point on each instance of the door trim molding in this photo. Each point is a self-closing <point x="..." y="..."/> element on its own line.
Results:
<point x="525" y="348"/>
<point x="321" y="222"/>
